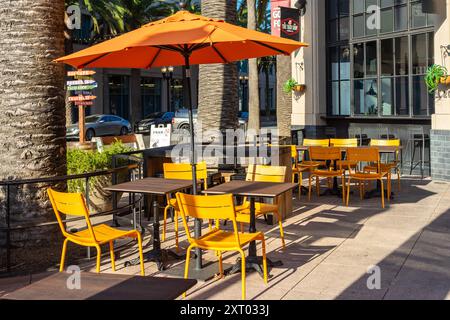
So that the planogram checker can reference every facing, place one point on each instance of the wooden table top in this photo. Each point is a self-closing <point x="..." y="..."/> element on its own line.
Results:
<point x="385" y="149"/>
<point x="252" y="189"/>
<point x="158" y="186"/>
<point x="103" y="287"/>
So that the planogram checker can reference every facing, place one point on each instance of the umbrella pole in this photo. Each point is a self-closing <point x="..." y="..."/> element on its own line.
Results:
<point x="197" y="223"/>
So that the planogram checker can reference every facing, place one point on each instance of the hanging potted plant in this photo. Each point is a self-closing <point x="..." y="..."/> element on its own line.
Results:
<point x="293" y="86"/>
<point x="435" y="75"/>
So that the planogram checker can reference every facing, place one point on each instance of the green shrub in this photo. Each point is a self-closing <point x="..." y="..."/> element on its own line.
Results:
<point x="82" y="161"/>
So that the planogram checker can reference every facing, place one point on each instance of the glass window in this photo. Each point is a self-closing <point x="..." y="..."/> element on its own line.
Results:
<point x="387" y="97"/>
<point x="358" y="89"/>
<point x="345" y="63"/>
<point x="150" y="96"/>
<point x="335" y="97"/>
<point x="419" y="53"/>
<point x="401" y="56"/>
<point x="371" y="97"/>
<point x="419" y="19"/>
<point x="387" y="20"/>
<point x="401" y="18"/>
<point x="345" y="98"/>
<point x="358" y="6"/>
<point x="359" y="24"/>
<point x="371" y="58"/>
<point x="420" y="96"/>
<point x="402" y="96"/>
<point x="358" y="60"/>
<point x="387" y="57"/>
<point x="119" y="95"/>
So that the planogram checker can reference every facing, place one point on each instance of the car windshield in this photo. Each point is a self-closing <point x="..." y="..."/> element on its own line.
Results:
<point x="92" y="119"/>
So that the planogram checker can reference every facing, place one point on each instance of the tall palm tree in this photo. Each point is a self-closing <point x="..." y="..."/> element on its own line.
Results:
<point x="253" y="74"/>
<point x="32" y="116"/>
<point x="218" y="83"/>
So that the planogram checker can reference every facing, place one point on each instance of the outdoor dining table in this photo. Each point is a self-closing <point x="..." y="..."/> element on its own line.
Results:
<point x="252" y="190"/>
<point x="154" y="187"/>
<point x="369" y="194"/>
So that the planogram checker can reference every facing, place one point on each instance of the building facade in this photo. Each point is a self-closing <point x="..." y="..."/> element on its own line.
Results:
<point x="364" y="73"/>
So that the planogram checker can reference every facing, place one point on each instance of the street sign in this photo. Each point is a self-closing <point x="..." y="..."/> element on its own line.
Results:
<point x="84" y="103"/>
<point x="84" y="87"/>
<point x="82" y="98"/>
<point x="81" y="73"/>
<point x="81" y="82"/>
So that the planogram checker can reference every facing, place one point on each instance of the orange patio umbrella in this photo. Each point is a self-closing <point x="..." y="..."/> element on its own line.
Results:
<point x="182" y="39"/>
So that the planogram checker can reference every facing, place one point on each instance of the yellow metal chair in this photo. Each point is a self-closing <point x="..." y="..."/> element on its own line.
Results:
<point x="332" y="155"/>
<point x="262" y="174"/>
<point x="180" y="171"/>
<point x="370" y="155"/>
<point x="217" y="208"/>
<point x="74" y="204"/>
<point x="389" y="166"/>
<point x="297" y="170"/>
<point x="345" y="143"/>
<point x="312" y="165"/>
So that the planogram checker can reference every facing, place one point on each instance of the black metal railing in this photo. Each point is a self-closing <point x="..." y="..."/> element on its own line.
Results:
<point x="132" y="167"/>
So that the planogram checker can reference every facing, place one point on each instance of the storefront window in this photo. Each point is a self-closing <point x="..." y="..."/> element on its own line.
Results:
<point x="150" y="95"/>
<point x="384" y="76"/>
<point x="177" y="94"/>
<point x="119" y="96"/>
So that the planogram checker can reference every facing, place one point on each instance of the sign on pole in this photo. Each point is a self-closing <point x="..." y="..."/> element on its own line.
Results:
<point x="160" y="135"/>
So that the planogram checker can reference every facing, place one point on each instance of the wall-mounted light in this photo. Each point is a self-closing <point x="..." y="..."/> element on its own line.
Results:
<point x="301" y="6"/>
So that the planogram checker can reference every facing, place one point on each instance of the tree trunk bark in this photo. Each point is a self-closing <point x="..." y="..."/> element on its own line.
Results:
<point x="32" y="109"/>
<point x="218" y="83"/>
<point x="253" y="76"/>
<point x="284" y="100"/>
<point x="268" y="97"/>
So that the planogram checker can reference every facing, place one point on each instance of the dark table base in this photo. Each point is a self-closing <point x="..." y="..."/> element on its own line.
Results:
<point x="160" y="257"/>
<point x="255" y="264"/>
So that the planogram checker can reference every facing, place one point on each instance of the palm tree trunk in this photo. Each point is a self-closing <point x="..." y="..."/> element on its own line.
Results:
<point x="32" y="108"/>
<point x="268" y="102"/>
<point x="218" y="83"/>
<point x="253" y="77"/>
<point x="284" y="101"/>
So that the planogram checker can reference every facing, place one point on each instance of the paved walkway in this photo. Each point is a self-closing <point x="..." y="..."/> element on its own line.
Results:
<point x="331" y="248"/>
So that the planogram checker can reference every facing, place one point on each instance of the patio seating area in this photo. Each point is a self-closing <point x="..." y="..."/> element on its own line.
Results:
<point x="330" y="249"/>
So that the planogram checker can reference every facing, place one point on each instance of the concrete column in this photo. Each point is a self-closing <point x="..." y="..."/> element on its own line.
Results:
<point x="309" y="67"/>
<point x="440" y="133"/>
<point x="135" y="96"/>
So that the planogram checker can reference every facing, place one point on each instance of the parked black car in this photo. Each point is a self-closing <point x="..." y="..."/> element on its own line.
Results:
<point x="156" y="118"/>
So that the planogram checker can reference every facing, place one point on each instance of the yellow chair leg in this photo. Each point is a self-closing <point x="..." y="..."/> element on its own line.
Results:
<point x="219" y="253"/>
<point x="186" y="267"/>
<point x="99" y="255"/>
<point x="300" y="182"/>
<point x="63" y="255"/>
<point x="318" y="186"/>
<point x="111" y="252"/>
<point x="280" y="224"/>
<point x="389" y="187"/>
<point x="242" y="227"/>
<point x="348" y="190"/>
<point x="343" y="189"/>
<point x="382" y="193"/>
<point x="263" y="244"/>
<point x="243" y="266"/>
<point x="398" y="180"/>
<point x="177" y="246"/>
<point x="310" y="187"/>
<point x="141" y="254"/>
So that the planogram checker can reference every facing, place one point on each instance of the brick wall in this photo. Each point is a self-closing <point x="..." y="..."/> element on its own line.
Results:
<point x="440" y="154"/>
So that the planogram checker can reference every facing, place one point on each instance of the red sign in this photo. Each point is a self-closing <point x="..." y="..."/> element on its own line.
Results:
<point x="84" y="103"/>
<point x="82" y="98"/>
<point x="275" y="15"/>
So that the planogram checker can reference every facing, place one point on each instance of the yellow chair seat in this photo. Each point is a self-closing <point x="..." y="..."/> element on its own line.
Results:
<point x="219" y="239"/>
<point x="312" y="164"/>
<point x="299" y="169"/>
<point x="103" y="234"/>
<point x="367" y="176"/>
<point x="173" y="203"/>
<point x="383" y="166"/>
<point x="328" y="173"/>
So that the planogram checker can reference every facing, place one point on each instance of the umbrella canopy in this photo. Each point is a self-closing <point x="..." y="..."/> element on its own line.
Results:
<point x="170" y="40"/>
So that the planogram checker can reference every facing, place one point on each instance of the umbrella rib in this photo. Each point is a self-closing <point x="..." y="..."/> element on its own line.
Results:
<point x="219" y="54"/>
<point x="95" y="59"/>
<point x="270" y="47"/>
<point x="154" y="59"/>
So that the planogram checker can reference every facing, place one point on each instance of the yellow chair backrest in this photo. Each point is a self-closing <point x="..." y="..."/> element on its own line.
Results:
<point x="344" y="142"/>
<point x="370" y="154"/>
<point x="385" y="143"/>
<point x="183" y="171"/>
<point x="209" y="208"/>
<point x="266" y="173"/>
<point x="320" y="153"/>
<point x="72" y="204"/>
<point x="316" y="142"/>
